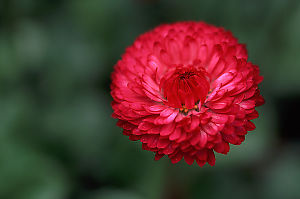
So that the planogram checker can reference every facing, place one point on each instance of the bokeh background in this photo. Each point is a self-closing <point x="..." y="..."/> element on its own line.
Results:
<point x="57" y="137"/>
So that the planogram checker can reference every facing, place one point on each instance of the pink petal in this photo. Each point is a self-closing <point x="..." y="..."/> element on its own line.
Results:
<point x="167" y="129"/>
<point x="211" y="158"/>
<point x="153" y="96"/>
<point x="210" y="128"/>
<point x="167" y="112"/>
<point x="203" y="139"/>
<point x="176" y="134"/>
<point x="158" y="156"/>
<point x="202" y="155"/>
<point x="222" y="147"/>
<point x="188" y="159"/>
<point x="176" y="158"/>
<point x="224" y="79"/>
<point x="195" y="121"/>
<point x="168" y="150"/>
<point x="249" y="104"/>
<point x="250" y="126"/>
<point x="162" y="143"/>
<point x="201" y="163"/>
<point x="145" y="126"/>
<point x="195" y="139"/>
<point x="203" y="52"/>
<point x="156" y="108"/>
<point x="219" y="118"/>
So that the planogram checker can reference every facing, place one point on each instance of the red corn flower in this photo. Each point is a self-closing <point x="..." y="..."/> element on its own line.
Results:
<point x="186" y="90"/>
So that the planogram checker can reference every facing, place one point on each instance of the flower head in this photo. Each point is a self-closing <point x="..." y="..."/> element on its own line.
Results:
<point x="186" y="90"/>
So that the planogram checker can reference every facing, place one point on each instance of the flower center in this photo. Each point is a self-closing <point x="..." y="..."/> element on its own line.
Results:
<point x="185" y="87"/>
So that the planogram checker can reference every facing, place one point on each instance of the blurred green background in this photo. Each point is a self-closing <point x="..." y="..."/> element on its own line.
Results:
<point x="58" y="140"/>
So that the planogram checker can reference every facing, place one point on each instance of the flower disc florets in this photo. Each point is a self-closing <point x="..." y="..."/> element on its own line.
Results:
<point x="186" y="90"/>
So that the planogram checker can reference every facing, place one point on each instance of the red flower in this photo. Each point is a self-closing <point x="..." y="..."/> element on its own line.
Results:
<point x="186" y="90"/>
